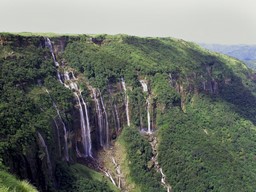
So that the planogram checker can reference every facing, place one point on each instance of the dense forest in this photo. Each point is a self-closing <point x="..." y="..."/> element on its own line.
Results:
<point x="123" y="113"/>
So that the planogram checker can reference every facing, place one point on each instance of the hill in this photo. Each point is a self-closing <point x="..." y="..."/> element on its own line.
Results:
<point x="245" y="53"/>
<point x="148" y="114"/>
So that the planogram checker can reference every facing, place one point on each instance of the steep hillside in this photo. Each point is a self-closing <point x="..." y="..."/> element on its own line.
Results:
<point x="148" y="114"/>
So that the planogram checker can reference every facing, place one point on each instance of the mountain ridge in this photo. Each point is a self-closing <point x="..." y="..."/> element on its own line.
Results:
<point x="200" y="106"/>
<point x="245" y="53"/>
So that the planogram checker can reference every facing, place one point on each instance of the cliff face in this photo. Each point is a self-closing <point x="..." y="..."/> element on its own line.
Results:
<point x="66" y="99"/>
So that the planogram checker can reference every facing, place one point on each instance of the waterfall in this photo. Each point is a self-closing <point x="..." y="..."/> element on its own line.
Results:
<point x="70" y="84"/>
<point x="64" y="129"/>
<point x="44" y="146"/>
<point x="106" y="122"/>
<point x="153" y="142"/>
<point x="126" y="101"/>
<point x="99" y="116"/>
<point x="145" y="89"/>
<point x="65" y="133"/>
<point x="48" y="43"/>
<point x="58" y="136"/>
<point x="117" y="118"/>
<point x="118" y="172"/>
<point x="84" y="119"/>
<point x="144" y="86"/>
<point x="85" y="130"/>
<point x="148" y="115"/>
<point x="107" y="173"/>
<point x="88" y="131"/>
<point x="102" y="119"/>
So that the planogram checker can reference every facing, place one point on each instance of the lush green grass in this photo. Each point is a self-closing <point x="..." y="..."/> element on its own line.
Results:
<point x="80" y="178"/>
<point x="85" y="172"/>
<point x="8" y="183"/>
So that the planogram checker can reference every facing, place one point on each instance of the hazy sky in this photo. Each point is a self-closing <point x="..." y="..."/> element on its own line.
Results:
<point x="209" y="21"/>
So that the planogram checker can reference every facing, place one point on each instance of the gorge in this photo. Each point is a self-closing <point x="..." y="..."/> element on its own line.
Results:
<point x="124" y="113"/>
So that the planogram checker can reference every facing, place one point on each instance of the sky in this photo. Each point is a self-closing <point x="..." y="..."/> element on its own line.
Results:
<point x="204" y="21"/>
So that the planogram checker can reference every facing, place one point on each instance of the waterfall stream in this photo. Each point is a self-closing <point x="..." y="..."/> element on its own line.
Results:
<point x="71" y="84"/>
<point x="64" y="128"/>
<point x="84" y="119"/>
<point x="85" y="127"/>
<point x="126" y="101"/>
<point x="65" y="133"/>
<point x="45" y="148"/>
<point x="145" y="89"/>
<point x="99" y="116"/>
<point x="153" y="143"/>
<point x="117" y="118"/>
<point x="102" y="118"/>
<point x="88" y="131"/>
<point x="118" y="172"/>
<point x="106" y="123"/>
<point x="58" y="136"/>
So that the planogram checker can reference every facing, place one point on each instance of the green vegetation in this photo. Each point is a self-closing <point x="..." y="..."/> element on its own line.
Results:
<point x="139" y="153"/>
<point x="25" y="106"/>
<point x="206" y="147"/>
<point x="203" y="107"/>
<point x="9" y="183"/>
<point x="251" y="64"/>
<point x="80" y="178"/>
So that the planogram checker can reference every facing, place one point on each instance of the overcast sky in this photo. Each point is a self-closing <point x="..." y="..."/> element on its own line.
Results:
<point x="209" y="21"/>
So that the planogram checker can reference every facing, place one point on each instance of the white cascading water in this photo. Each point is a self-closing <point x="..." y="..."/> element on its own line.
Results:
<point x="48" y="161"/>
<point x="85" y="127"/>
<point x="64" y="129"/>
<point x="107" y="173"/>
<point x="84" y="119"/>
<point x="58" y="136"/>
<point x="126" y="101"/>
<point x="99" y="116"/>
<point x="145" y="89"/>
<point x="102" y="119"/>
<point x="88" y="131"/>
<point x="117" y="118"/>
<point x="166" y="185"/>
<point x="153" y="142"/>
<point x="106" y="123"/>
<point x="118" y="172"/>
<point x="148" y="115"/>
<point x="49" y="45"/>
<point x="65" y="133"/>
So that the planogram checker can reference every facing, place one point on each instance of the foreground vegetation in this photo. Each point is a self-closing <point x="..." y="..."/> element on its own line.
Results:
<point x="8" y="183"/>
<point x="80" y="178"/>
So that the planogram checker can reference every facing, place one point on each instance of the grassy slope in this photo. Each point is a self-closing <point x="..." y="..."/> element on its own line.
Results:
<point x="8" y="183"/>
<point x="79" y="178"/>
<point x="83" y="171"/>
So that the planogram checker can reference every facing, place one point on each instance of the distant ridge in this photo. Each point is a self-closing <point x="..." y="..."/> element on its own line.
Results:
<point x="245" y="53"/>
